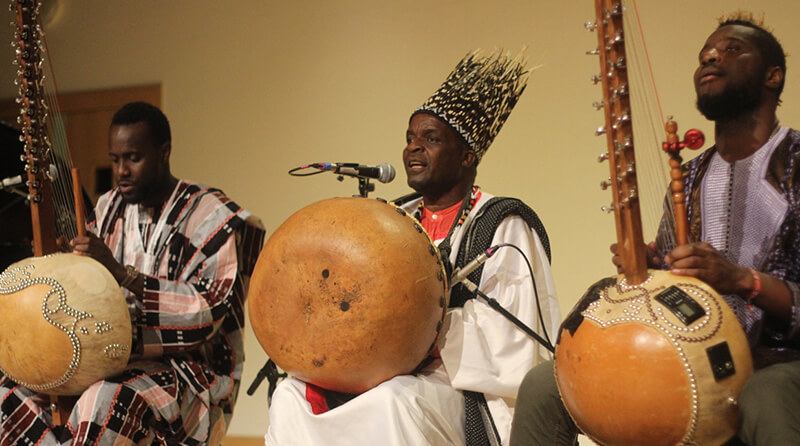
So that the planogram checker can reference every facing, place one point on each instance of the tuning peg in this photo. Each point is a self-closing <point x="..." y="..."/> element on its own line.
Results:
<point x="622" y="146"/>
<point x="598" y="105"/>
<point x="600" y="131"/>
<point x="619" y="64"/>
<point x="608" y="209"/>
<point x="605" y="184"/>
<point x="596" y="79"/>
<point x="593" y="52"/>
<point x="603" y="157"/>
<point x="628" y="172"/>
<point x="590" y="26"/>
<point x="619" y="121"/>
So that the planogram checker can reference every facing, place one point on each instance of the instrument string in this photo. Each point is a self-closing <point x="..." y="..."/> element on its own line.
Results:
<point x="63" y="198"/>
<point x="652" y="163"/>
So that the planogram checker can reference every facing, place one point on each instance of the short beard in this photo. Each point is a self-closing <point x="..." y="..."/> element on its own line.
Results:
<point x="136" y="199"/>
<point x="734" y="101"/>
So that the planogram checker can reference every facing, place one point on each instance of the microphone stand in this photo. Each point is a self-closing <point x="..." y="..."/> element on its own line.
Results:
<point x="13" y="202"/>
<point x="9" y="185"/>
<point x="364" y="186"/>
<point x="270" y="372"/>
<point x="493" y="303"/>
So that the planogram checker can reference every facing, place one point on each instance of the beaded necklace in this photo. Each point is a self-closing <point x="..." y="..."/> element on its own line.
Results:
<point x="466" y="208"/>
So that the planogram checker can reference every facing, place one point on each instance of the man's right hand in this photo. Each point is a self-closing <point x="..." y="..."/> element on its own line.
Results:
<point x="92" y="246"/>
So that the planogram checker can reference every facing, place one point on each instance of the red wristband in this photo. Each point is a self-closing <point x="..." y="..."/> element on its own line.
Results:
<point x="756" y="285"/>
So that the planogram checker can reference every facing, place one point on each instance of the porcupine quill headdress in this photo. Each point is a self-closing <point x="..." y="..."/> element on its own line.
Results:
<point x="478" y="96"/>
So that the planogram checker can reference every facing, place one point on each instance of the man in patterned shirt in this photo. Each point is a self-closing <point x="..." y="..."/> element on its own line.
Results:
<point x="183" y="253"/>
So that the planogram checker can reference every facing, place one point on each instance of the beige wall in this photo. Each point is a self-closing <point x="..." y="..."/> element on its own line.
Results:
<point x="254" y="88"/>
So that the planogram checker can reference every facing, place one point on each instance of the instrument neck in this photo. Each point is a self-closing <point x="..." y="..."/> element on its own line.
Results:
<point x="619" y="135"/>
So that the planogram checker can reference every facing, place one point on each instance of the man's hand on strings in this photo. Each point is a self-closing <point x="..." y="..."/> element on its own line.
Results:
<point x="62" y="243"/>
<point x="654" y="261"/>
<point x="702" y="261"/>
<point x="92" y="246"/>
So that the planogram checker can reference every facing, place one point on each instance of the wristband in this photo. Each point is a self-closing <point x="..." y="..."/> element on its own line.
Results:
<point x="756" y="287"/>
<point x="130" y="275"/>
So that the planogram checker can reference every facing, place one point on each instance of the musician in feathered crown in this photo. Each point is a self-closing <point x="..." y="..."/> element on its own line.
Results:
<point x="466" y="392"/>
<point x="744" y="224"/>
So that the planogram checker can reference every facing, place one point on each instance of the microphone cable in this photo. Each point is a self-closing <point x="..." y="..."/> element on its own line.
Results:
<point x="320" y="166"/>
<point x="544" y="341"/>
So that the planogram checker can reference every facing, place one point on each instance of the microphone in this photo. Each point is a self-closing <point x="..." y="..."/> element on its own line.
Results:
<point x="10" y="181"/>
<point x="382" y="172"/>
<point x="460" y="274"/>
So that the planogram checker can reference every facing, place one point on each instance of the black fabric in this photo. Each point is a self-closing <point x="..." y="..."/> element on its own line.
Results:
<point x="480" y="232"/>
<point x="575" y="317"/>
<point x="335" y="399"/>
<point x="479" y="427"/>
<point x="406" y="198"/>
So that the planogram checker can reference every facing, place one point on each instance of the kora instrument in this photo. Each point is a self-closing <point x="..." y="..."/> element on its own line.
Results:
<point x="647" y="358"/>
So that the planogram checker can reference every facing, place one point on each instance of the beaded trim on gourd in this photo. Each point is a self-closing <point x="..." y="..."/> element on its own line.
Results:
<point x="16" y="279"/>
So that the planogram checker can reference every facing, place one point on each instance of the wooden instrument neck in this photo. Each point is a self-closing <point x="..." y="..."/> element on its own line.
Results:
<point x="619" y="135"/>
<point x="44" y="184"/>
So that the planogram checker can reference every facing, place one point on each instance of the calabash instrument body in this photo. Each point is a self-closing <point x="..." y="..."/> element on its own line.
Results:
<point x="647" y="358"/>
<point x="657" y="363"/>
<point x="348" y="293"/>
<point x="64" y="324"/>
